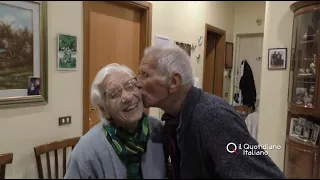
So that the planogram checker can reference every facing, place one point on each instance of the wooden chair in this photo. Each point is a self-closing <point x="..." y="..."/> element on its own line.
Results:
<point x="5" y="159"/>
<point x="243" y="110"/>
<point x="54" y="146"/>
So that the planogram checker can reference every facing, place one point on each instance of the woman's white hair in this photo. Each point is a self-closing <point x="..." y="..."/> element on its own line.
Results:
<point x="97" y="92"/>
<point x="170" y="59"/>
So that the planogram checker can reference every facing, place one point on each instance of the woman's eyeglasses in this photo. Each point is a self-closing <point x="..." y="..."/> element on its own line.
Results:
<point x="116" y="93"/>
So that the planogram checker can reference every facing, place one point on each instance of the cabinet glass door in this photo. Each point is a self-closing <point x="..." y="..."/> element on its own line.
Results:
<point x="304" y="59"/>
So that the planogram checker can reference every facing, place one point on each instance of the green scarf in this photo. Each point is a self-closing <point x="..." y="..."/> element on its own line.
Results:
<point x="130" y="146"/>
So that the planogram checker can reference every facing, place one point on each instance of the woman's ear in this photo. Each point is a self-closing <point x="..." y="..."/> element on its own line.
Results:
<point x="104" y="112"/>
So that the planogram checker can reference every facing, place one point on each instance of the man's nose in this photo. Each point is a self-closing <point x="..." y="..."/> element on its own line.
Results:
<point x="139" y="83"/>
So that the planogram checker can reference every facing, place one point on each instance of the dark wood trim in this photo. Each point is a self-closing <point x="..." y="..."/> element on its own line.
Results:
<point x="217" y="73"/>
<point x="302" y="4"/>
<point x="146" y="10"/>
<point x="86" y="85"/>
<point x="6" y="158"/>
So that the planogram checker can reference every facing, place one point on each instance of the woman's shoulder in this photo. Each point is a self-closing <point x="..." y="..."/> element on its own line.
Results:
<point x="91" y="143"/>
<point x="156" y="128"/>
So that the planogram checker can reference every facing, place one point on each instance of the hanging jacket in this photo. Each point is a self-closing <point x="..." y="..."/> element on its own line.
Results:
<point x="247" y="86"/>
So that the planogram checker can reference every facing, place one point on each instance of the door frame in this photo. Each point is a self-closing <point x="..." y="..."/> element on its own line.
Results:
<point x="236" y="56"/>
<point x="219" y="59"/>
<point x="146" y="27"/>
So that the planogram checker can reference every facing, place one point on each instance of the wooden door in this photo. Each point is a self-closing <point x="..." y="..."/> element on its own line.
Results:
<point x="209" y="58"/>
<point x="213" y="65"/>
<point x="114" y="32"/>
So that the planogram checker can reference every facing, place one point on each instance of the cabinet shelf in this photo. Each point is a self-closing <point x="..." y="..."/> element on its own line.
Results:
<point x="301" y="110"/>
<point x="301" y="142"/>
<point x="306" y="76"/>
<point x="307" y="41"/>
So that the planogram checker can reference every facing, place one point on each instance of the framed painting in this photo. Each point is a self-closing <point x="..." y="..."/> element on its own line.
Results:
<point x="23" y="53"/>
<point x="186" y="47"/>
<point x="67" y="52"/>
<point x="277" y="58"/>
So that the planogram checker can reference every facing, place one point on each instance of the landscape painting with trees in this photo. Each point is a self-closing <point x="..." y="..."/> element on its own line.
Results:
<point x="67" y="51"/>
<point x="16" y="47"/>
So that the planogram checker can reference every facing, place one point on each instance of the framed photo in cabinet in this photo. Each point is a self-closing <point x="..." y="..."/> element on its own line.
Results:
<point x="315" y="134"/>
<point x="295" y="130"/>
<point x="277" y="58"/>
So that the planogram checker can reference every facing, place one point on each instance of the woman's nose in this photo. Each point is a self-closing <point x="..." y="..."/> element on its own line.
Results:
<point x="128" y="97"/>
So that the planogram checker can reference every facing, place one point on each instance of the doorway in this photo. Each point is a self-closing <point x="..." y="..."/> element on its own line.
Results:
<point x="248" y="47"/>
<point x="114" y="32"/>
<point x="213" y="65"/>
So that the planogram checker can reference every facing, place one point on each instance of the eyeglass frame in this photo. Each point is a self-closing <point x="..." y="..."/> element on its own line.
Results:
<point x="120" y="89"/>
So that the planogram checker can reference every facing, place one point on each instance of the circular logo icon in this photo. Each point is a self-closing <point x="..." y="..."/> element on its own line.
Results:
<point x="231" y="147"/>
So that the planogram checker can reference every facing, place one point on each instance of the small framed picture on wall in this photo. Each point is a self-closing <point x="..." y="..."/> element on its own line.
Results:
<point x="229" y="55"/>
<point x="277" y="58"/>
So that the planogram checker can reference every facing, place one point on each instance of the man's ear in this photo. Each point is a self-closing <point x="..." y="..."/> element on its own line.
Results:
<point x="175" y="82"/>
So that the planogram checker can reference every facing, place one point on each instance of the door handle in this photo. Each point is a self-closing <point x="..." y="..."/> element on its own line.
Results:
<point x="93" y="109"/>
<point x="90" y="122"/>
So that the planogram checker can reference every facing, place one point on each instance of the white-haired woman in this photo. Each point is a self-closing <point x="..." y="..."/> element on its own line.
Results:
<point x="127" y="142"/>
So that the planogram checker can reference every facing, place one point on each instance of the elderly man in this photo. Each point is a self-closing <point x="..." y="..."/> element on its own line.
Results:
<point x="205" y="137"/>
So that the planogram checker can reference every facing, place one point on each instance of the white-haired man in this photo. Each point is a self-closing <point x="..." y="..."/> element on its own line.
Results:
<point x="199" y="126"/>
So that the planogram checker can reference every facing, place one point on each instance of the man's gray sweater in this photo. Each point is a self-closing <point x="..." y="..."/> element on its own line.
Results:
<point x="207" y="125"/>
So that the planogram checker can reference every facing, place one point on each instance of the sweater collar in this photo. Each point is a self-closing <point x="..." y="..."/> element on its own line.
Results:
<point x="191" y="100"/>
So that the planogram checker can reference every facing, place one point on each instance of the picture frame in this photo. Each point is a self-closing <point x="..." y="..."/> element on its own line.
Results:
<point x="66" y="52"/>
<point x="186" y="47"/>
<point x="277" y="58"/>
<point x="27" y="23"/>
<point x="229" y="55"/>
<point x="293" y="127"/>
<point x="315" y="134"/>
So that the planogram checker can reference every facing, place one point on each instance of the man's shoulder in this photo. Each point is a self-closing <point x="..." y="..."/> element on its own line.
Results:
<point x="211" y="105"/>
<point x="213" y="111"/>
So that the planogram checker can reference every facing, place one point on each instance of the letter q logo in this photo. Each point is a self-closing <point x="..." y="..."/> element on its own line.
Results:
<point x="231" y="148"/>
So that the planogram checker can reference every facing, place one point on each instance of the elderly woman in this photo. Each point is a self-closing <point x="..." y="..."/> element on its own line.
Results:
<point x="127" y="142"/>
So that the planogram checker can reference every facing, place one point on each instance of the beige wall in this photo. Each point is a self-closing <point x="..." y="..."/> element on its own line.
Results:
<point x="185" y="21"/>
<point x="22" y="129"/>
<point x="274" y="84"/>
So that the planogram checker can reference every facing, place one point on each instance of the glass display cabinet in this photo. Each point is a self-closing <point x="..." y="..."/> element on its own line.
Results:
<point x="302" y="143"/>
<point x="304" y="62"/>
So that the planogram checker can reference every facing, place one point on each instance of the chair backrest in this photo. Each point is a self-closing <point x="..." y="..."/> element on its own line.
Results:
<point x="54" y="146"/>
<point x="243" y="110"/>
<point x="4" y="160"/>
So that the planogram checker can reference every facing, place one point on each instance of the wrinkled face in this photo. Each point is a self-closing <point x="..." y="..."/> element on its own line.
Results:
<point x="122" y="98"/>
<point x="151" y="84"/>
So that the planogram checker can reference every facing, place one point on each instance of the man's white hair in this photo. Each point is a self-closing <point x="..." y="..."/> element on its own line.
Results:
<point x="170" y="59"/>
<point x="97" y="92"/>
